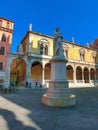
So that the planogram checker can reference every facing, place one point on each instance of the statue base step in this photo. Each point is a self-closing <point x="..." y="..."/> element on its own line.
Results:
<point x="58" y="95"/>
<point x="59" y="101"/>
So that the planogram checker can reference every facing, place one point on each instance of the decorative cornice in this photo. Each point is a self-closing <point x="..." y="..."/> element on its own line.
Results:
<point x="6" y="19"/>
<point x="6" y="29"/>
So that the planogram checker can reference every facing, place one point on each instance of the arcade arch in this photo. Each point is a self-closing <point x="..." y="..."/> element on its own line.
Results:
<point x="17" y="72"/>
<point x="86" y="75"/>
<point x="36" y="71"/>
<point x="92" y="74"/>
<point x="47" y="71"/>
<point x="69" y="72"/>
<point x="78" y="73"/>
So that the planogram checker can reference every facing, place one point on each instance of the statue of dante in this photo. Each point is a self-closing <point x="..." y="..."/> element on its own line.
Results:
<point x="58" y="43"/>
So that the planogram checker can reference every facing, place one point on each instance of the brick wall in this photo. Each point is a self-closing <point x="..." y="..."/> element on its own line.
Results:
<point x="3" y="58"/>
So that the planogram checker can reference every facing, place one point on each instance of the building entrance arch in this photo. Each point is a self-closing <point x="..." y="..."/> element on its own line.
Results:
<point x="47" y="71"/>
<point x="78" y="73"/>
<point x="86" y="75"/>
<point x="17" y="72"/>
<point x="69" y="72"/>
<point x="36" y="72"/>
<point x="92" y="74"/>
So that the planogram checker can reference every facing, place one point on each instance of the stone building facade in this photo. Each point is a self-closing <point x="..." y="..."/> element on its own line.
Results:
<point x="32" y="62"/>
<point x="6" y="32"/>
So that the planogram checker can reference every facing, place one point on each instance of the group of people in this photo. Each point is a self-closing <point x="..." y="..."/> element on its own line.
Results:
<point x="28" y="84"/>
<point x="38" y="85"/>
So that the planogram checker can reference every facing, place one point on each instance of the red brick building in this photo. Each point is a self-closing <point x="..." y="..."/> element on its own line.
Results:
<point x="6" y="31"/>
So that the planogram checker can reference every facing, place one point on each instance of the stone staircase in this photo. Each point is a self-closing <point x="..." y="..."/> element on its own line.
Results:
<point x="80" y="85"/>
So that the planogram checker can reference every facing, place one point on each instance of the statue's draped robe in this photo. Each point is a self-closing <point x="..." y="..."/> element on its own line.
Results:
<point x="58" y="44"/>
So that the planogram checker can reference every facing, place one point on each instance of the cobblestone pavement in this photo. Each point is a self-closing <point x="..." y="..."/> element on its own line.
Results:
<point x="24" y="111"/>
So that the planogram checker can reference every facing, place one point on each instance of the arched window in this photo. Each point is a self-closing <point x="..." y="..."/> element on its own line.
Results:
<point x="2" y="50"/>
<point x="86" y="75"/>
<point x="41" y="49"/>
<point x="69" y="72"/>
<point x="82" y="57"/>
<point x="3" y="38"/>
<point x="79" y="73"/>
<point x="46" y="50"/>
<point x="82" y="54"/>
<point x="92" y="74"/>
<point x="94" y="56"/>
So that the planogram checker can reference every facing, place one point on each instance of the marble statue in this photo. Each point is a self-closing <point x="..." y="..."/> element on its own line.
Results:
<point x="58" y="94"/>
<point x="58" y="43"/>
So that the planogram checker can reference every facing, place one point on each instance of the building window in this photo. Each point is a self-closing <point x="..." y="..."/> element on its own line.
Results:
<point x="94" y="59"/>
<point x="3" y="38"/>
<point x="82" y="54"/>
<point x="1" y="65"/>
<point x="82" y="58"/>
<point x="0" y="23"/>
<point x="41" y="49"/>
<point x="2" y="50"/>
<point x="46" y="50"/>
<point x="8" y="25"/>
<point x="94" y="56"/>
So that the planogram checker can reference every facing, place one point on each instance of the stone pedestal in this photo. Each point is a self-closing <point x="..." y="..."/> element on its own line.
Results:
<point x="58" y="94"/>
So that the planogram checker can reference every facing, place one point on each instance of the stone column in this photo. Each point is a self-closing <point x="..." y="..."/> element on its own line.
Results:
<point x="28" y="70"/>
<point x="43" y="81"/>
<point x="75" y="81"/>
<point x="7" y="73"/>
<point x="95" y="77"/>
<point x="89" y="76"/>
<point x="83" y="76"/>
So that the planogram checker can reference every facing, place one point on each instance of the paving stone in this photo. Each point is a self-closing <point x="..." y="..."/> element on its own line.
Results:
<point x="24" y="111"/>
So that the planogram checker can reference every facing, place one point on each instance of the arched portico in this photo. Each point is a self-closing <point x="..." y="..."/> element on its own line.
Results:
<point x="36" y="72"/>
<point x="69" y="72"/>
<point x="47" y="71"/>
<point x="17" y="72"/>
<point x="86" y="75"/>
<point x="31" y="69"/>
<point x="79" y="74"/>
<point x="92" y="74"/>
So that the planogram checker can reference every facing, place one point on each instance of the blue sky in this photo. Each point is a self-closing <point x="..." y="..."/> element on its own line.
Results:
<point x="75" y="18"/>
